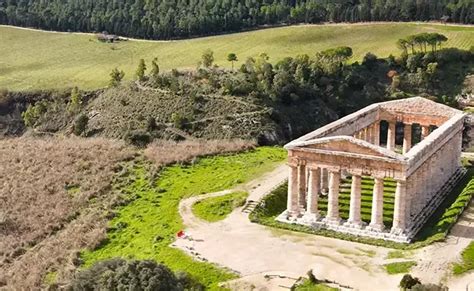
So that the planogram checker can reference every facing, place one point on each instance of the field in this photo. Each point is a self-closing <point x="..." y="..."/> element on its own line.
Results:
<point x="52" y="203"/>
<point x="467" y="262"/>
<point x="399" y="267"/>
<point x="146" y="227"/>
<point x="217" y="208"/>
<point x="75" y="186"/>
<point x="42" y="60"/>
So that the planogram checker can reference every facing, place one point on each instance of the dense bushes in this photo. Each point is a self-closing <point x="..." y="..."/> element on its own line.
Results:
<point x="118" y="274"/>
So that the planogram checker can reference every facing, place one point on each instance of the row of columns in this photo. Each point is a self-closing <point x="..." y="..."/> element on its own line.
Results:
<point x="372" y="134"/>
<point x="298" y="201"/>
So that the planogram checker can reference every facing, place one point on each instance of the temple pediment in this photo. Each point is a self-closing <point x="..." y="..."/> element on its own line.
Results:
<point x="346" y="144"/>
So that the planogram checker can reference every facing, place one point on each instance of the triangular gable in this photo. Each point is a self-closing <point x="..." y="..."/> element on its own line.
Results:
<point x="346" y="144"/>
<point x="418" y="105"/>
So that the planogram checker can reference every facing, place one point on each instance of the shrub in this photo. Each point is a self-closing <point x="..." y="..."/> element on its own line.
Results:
<point x="80" y="124"/>
<point x="178" y="120"/>
<point x="408" y="281"/>
<point x="138" y="138"/>
<point x="33" y="113"/>
<point x="118" y="274"/>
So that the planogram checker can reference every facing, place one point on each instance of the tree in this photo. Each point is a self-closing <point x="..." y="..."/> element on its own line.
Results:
<point x="33" y="113"/>
<point x="116" y="77"/>
<point x="80" y="124"/>
<point x="155" y="68"/>
<point x="207" y="58"/>
<point x="76" y="100"/>
<point x="232" y="58"/>
<point x="408" y="282"/>
<point x="119" y="274"/>
<point x="141" y="70"/>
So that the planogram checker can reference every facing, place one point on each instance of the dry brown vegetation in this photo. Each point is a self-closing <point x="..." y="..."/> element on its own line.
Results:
<point x="51" y="203"/>
<point x="167" y="152"/>
<point x="57" y="194"/>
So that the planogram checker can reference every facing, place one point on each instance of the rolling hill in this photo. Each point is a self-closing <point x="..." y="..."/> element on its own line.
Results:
<point x="33" y="59"/>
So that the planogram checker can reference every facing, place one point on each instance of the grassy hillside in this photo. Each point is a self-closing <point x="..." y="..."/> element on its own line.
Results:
<point x="40" y="60"/>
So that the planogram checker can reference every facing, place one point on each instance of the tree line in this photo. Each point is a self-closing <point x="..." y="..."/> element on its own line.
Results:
<point x="167" y="19"/>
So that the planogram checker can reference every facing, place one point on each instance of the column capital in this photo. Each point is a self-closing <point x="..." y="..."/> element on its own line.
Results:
<point x="356" y="172"/>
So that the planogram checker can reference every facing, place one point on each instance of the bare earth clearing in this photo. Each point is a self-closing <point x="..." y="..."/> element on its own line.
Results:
<point x="254" y="251"/>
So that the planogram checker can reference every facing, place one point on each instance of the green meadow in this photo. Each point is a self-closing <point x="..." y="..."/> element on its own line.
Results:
<point x="145" y="227"/>
<point x="32" y="59"/>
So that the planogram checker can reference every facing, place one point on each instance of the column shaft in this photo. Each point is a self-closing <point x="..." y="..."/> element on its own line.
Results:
<point x="425" y="131"/>
<point x="376" y="221"/>
<point x="302" y="185"/>
<point x="391" y="136"/>
<point x="314" y="183"/>
<point x="406" y="138"/>
<point x="354" y="211"/>
<point x="292" y="205"/>
<point x="399" y="215"/>
<point x="333" y="197"/>
<point x="377" y="133"/>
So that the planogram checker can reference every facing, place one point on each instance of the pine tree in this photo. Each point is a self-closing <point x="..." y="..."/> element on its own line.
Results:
<point x="155" y="68"/>
<point x="141" y="70"/>
<point x="116" y="77"/>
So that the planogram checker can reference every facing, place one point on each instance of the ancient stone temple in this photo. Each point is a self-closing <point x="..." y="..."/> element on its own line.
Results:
<point x="417" y="152"/>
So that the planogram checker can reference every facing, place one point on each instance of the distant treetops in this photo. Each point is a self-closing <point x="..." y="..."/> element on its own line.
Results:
<point x="154" y="19"/>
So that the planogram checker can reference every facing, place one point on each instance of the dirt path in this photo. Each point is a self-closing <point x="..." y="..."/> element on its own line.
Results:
<point x="273" y="259"/>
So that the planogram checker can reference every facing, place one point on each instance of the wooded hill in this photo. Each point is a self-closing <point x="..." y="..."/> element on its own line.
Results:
<point x="183" y="18"/>
<point x="271" y="103"/>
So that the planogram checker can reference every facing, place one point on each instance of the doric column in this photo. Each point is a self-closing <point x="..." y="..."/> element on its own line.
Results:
<point x="391" y="136"/>
<point x="302" y="185"/>
<point x="324" y="180"/>
<point x="377" y="133"/>
<point x="314" y="183"/>
<point x="425" y="130"/>
<point x="399" y="215"/>
<point x="364" y="134"/>
<point x="376" y="221"/>
<point x="292" y="205"/>
<point x="406" y="138"/>
<point x="333" y="197"/>
<point x="354" y="211"/>
<point x="369" y="134"/>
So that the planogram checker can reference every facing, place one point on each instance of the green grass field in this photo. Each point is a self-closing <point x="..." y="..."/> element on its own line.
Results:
<point x="43" y="60"/>
<point x="144" y="228"/>
<point x="217" y="208"/>
<point x="399" y="267"/>
<point x="467" y="262"/>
